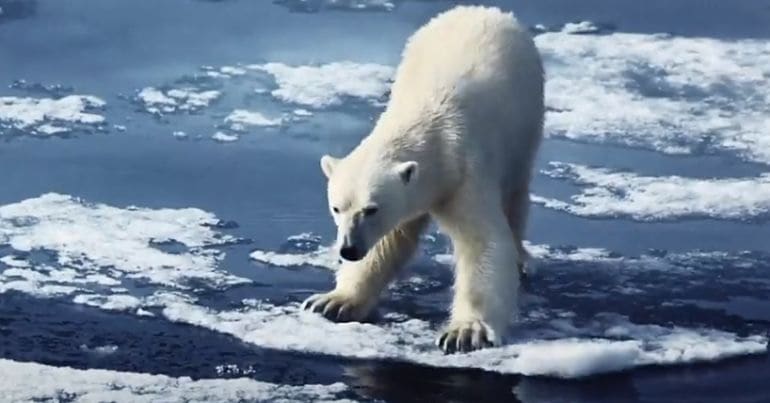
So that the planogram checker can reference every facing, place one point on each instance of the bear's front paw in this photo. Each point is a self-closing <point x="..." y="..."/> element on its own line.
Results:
<point x="338" y="307"/>
<point x="467" y="336"/>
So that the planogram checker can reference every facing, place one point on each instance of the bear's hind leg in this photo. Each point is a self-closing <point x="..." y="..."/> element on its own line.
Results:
<point x="517" y="211"/>
<point x="359" y="284"/>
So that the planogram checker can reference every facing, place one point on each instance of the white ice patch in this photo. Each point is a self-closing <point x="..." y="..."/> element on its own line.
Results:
<point x="328" y="84"/>
<point x="114" y="302"/>
<point x="223" y="137"/>
<point x="241" y="118"/>
<point x="186" y="99"/>
<point x="609" y="343"/>
<point x="582" y="27"/>
<point x="13" y="261"/>
<point x="549" y="253"/>
<point x="307" y="251"/>
<point x="48" y="116"/>
<point x="100" y="350"/>
<point x="608" y="193"/>
<point x="672" y="94"/>
<point x="37" y="382"/>
<point x="302" y="113"/>
<point x="322" y="257"/>
<point x="96" y="246"/>
<point x="352" y="5"/>
<point x="232" y="70"/>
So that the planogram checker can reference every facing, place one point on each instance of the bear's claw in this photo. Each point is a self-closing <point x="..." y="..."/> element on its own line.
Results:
<point x="466" y="337"/>
<point x="335" y="307"/>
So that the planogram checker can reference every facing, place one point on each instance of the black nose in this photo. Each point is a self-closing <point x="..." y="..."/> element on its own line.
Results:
<point x="350" y="253"/>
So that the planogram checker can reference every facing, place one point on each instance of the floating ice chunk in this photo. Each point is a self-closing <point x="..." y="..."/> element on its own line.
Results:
<point x="153" y="96"/>
<point x="305" y="250"/>
<point x="232" y="70"/>
<point x="302" y="112"/>
<point x="578" y="351"/>
<point x="100" y="244"/>
<point x="13" y="261"/>
<point x="179" y="134"/>
<point x="546" y="252"/>
<point x="49" y="129"/>
<point x="321" y="257"/>
<point x="608" y="193"/>
<point x="223" y="137"/>
<point x="242" y="117"/>
<point x="100" y="350"/>
<point x="114" y="302"/>
<point x="193" y="99"/>
<point x="47" y="116"/>
<point x="672" y="94"/>
<point x="184" y="99"/>
<point x="33" y="288"/>
<point x="328" y="84"/>
<point x="37" y="382"/>
<point x="582" y="27"/>
<point x="40" y="281"/>
<point x="352" y="5"/>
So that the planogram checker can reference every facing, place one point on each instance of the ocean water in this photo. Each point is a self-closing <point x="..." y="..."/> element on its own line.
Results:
<point x="163" y="212"/>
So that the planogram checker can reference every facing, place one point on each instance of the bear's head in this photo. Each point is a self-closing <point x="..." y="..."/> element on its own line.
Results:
<point x="368" y="198"/>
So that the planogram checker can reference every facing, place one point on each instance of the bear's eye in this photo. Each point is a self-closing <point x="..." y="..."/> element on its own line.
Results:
<point x="370" y="211"/>
<point x="335" y="210"/>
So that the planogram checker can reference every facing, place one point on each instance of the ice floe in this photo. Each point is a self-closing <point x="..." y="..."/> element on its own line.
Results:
<point x="581" y="27"/>
<point x="305" y="249"/>
<point x="313" y="6"/>
<point x="322" y="257"/>
<point x="96" y="248"/>
<point x="223" y="137"/>
<point x="23" y="381"/>
<point x="676" y="95"/>
<point x="100" y="350"/>
<point x="545" y="342"/>
<point x="239" y="119"/>
<point x="232" y="70"/>
<point x="182" y="99"/>
<point x="87" y="248"/>
<point x="302" y="112"/>
<point x="49" y="116"/>
<point x="608" y="193"/>
<point x="320" y="86"/>
<point x="673" y="94"/>
<point x="608" y="343"/>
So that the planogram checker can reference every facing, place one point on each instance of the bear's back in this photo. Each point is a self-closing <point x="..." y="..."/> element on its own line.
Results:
<point x="469" y="44"/>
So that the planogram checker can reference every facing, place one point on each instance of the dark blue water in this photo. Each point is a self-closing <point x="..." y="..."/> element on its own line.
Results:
<point x="270" y="184"/>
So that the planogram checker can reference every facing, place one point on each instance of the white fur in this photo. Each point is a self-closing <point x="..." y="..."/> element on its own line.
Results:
<point x="465" y="115"/>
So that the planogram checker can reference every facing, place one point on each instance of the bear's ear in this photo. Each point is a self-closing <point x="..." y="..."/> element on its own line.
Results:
<point x="407" y="171"/>
<point x="328" y="163"/>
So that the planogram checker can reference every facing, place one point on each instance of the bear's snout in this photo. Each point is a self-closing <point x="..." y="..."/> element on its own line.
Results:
<point x="351" y="253"/>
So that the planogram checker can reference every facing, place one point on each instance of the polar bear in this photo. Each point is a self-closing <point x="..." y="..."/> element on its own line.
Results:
<point x="456" y="143"/>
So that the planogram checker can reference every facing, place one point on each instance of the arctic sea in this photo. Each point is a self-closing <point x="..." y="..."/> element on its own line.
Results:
<point x="163" y="212"/>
